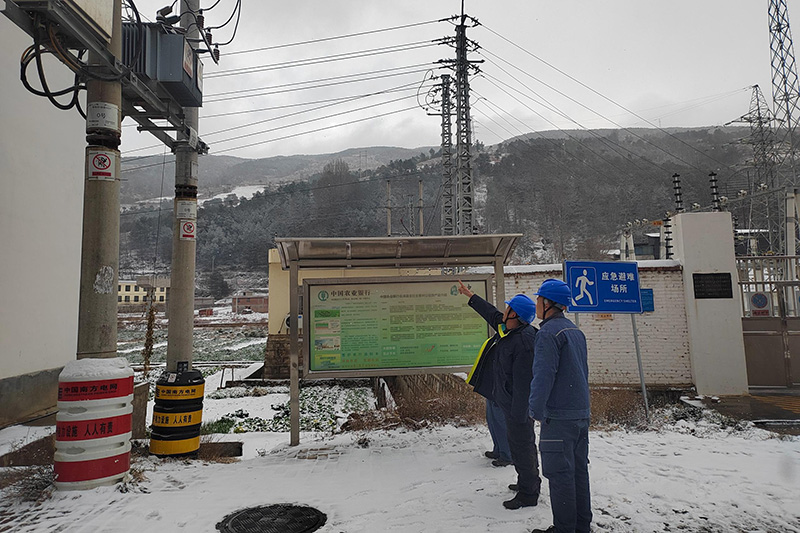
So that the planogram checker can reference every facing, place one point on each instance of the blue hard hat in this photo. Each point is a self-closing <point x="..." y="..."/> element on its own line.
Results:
<point x="523" y="306"/>
<point x="555" y="290"/>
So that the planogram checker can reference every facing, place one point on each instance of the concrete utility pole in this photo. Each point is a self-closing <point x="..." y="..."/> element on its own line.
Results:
<point x="184" y="227"/>
<point x="97" y="311"/>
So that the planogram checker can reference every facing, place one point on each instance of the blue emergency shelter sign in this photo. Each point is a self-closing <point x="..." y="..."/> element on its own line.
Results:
<point x="603" y="287"/>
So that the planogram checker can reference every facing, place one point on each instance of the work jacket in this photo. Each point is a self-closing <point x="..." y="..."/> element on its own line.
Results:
<point x="512" y="358"/>
<point x="560" y="385"/>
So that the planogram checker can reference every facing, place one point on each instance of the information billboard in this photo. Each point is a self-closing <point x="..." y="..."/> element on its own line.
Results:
<point x="390" y="326"/>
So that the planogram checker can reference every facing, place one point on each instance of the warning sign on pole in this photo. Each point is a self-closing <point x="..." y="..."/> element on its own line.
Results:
<point x="188" y="230"/>
<point x="102" y="164"/>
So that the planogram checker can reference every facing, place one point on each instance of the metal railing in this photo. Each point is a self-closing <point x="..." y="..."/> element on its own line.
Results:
<point x="770" y="285"/>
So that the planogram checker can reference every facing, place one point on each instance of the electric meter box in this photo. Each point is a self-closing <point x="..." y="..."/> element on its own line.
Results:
<point x="96" y="16"/>
<point x="166" y="58"/>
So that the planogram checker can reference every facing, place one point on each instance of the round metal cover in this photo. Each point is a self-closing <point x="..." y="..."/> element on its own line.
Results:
<point x="278" y="518"/>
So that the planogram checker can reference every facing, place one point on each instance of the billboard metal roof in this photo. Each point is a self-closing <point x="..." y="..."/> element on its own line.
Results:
<point x="407" y="252"/>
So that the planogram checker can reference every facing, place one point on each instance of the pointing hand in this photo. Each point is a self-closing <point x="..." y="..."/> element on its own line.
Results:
<point x="464" y="290"/>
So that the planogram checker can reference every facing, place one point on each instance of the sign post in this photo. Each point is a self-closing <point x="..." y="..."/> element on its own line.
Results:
<point x="608" y="287"/>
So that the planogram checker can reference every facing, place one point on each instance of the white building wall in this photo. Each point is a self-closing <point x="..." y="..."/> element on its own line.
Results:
<point x="663" y="334"/>
<point x="41" y="197"/>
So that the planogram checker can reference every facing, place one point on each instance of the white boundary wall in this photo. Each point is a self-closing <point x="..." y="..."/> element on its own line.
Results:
<point x="41" y="198"/>
<point x="663" y="334"/>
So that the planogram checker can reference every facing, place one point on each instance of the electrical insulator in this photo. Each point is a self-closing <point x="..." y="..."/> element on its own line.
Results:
<point x="201" y="20"/>
<point x="208" y="36"/>
<point x="216" y="52"/>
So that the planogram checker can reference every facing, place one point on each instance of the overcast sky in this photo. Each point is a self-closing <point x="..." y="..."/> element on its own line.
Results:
<point x="677" y="63"/>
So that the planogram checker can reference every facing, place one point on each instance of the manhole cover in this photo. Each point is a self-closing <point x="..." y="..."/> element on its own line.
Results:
<point x="279" y="518"/>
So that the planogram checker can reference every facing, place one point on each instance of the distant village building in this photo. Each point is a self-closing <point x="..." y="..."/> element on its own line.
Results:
<point x="249" y="302"/>
<point x="133" y="293"/>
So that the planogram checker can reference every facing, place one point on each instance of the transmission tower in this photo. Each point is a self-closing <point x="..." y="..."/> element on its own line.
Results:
<point x="464" y="215"/>
<point x="448" y="196"/>
<point x="759" y="196"/>
<point x="785" y="90"/>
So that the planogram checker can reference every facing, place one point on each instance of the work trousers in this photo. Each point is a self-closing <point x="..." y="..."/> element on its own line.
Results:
<point x="496" y="421"/>
<point x="565" y="463"/>
<point x="522" y="443"/>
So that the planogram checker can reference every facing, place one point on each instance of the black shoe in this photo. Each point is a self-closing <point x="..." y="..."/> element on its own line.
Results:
<point x="501" y="462"/>
<point x="491" y="455"/>
<point x="514" y="487"/>
<point x="551" y="529"/>
<point x="521" y="501"/>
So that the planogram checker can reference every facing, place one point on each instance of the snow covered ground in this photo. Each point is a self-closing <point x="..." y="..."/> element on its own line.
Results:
<point x="691" y="475"/>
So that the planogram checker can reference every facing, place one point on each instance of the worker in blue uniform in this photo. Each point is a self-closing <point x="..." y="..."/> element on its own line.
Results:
<point x="513" y="358"/>
<point x="559" y="399"/>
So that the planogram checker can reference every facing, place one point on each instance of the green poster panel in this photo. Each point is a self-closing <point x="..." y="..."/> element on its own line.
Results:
<point x="361" y="325"/>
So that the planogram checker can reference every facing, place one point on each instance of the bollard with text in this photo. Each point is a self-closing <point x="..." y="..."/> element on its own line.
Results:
<point x="608" y="287"/>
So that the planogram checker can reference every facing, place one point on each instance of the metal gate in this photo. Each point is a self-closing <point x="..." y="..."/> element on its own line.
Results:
<point x="771" y="319"/>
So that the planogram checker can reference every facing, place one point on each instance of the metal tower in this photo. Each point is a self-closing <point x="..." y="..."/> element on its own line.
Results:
<point x="464" y="202"/>
<point x="448" y="195"/>
<point x="785" y="91"/>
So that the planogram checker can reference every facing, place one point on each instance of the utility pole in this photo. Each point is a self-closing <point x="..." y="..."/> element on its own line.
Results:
<point x="97" y="311"/>
<point x="184" y="227"/>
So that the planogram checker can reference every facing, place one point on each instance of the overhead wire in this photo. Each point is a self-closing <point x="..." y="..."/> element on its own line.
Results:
<point x="311" y="61"/>
<point x="604" y="140"/>
<point x="554" y="159"/>
<point x="337" y="37"/>
<point x="319" y="86"/>
<point x="316" y="80"/>
<point x="671" y="135"/>
<point x="628" y="130"/>
<point x="330" y="103"/>
<point x="302" y="122"/>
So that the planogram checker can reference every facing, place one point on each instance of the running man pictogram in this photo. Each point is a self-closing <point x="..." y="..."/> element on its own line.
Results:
<point x="582" y="283"/>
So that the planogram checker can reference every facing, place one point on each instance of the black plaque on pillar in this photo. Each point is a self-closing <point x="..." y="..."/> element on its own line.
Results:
<point x="707" y="286"/>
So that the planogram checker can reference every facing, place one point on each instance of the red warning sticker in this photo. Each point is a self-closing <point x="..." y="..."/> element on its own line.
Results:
<point x="188" y="230"/>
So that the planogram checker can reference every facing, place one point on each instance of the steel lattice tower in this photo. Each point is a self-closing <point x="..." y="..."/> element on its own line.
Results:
<point x="785" y="90"/>
<point x="448" y="195"/>
<point x="759" y="193"/>
<point x="464" y="197"/>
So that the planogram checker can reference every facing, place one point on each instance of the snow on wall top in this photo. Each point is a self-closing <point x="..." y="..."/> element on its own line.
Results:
<point x="556" y="267"/>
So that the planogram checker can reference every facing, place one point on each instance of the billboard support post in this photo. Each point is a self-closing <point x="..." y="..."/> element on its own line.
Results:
<point x="641" y="370"/>
<point x="294" y="356"/>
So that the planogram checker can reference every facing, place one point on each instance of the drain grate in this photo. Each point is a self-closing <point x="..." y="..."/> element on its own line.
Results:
<point x="278" y="518"/>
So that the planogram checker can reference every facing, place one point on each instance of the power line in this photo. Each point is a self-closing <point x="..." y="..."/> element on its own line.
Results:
<point x="323" y="59"/>
<point x="317" y="80"/>
<point x="293" y="135"/>
<point x="609" y="100"/>
<point x="330" y="103"/>
<point x="326" y="39"/>
<point x="319" y="86"/>
<point x="591" y="110"/>
<point x="594" y="134"/>
<point x="317" y="130"/>
<point x="278" y="128"/>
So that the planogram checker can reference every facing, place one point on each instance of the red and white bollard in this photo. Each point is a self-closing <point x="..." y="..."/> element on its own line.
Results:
<point x="93" y="425"/>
